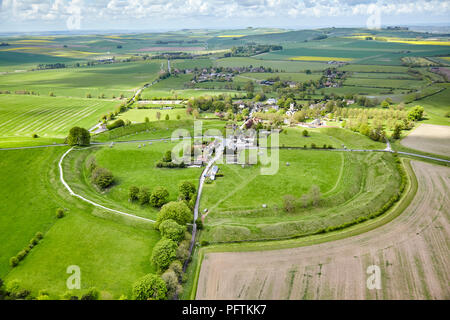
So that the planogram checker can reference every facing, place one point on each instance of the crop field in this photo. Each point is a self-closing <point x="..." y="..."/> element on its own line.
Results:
<point x="23" y="115"/>
<point x="110" y="80"/>
<point x="287" y="66"/>
<point x="429" y="138"/>
<point x="385" y="83"/>
<point x="411" y="251"/>
<point x="284" y="76"/>
<point x="312" y="58"/>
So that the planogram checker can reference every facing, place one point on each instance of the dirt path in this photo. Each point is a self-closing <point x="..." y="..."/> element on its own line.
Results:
<point x="412" y="252"/>
<point x="429" y="138"/>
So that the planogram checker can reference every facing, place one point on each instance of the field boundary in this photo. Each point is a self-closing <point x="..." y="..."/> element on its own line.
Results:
<point x="66" y="185"/>
<point x="308" y="240"/>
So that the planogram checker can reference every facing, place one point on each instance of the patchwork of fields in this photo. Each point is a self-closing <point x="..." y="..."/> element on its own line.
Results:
<point x="314" y="191"/>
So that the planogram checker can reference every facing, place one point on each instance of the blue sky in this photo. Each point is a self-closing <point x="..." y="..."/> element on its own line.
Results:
<point x="48" y="15"/>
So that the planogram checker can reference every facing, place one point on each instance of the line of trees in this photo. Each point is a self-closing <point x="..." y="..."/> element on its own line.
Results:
<point x="172" y="250"/>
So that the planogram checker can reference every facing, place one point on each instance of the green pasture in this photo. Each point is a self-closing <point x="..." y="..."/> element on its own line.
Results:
<point x="352" y="185"/>
<point x="111" y="254"/>
<point x="139" y="115"/>
<point x="131" y="166"/>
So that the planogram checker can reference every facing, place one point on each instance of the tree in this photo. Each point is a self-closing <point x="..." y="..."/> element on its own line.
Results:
<point x="60" y="213"/>
<point x="102" y="177"/>
<point x="91" y="294"/>
<point x="304" y="199"/>
<point x="397" y="131"/>
<point x="158" y="115"/>
<point x="315" y="194"/>
<point x="416" y="113"/>
<point x="187" y="190"/>
<point x="144" y="196"/>
<point x="167" y="117"/>
<point x="178" y="211"/>
<point x="289" y="203"/>
<point x="305" y="133"/>
<point x="133" y="193"/>
<point x="167" y="156"/>
<point x="150" y="287"/>
<point x="172" y="230"/>
<point x="78" y="137"/>
<point x="164" y="252"/>
<point x="159" y="197"/>
<point x="171" y="280"/>
<point x="249" y="87"/>
<point x="178" y="117"/>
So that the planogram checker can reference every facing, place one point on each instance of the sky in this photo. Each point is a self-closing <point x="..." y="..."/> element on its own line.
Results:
<point x="160" y="15"/>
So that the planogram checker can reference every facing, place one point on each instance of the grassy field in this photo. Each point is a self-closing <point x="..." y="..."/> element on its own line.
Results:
<point x="437" y="107"/>
<point x="85" y="237"/>
<point x="24" y="115"/>
<point x="131" y="166"/>
<point x="287" y="66"/>
<point x="284" y="76"/>
<point x="139" y="115"/>
<point x="348" y="183"/>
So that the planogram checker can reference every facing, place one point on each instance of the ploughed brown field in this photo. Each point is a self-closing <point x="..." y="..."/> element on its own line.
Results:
<point x="429" y="138"/>
<point x="412" y="252"/>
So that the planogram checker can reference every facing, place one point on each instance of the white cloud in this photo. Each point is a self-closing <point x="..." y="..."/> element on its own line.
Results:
<point x="105" y="11"/>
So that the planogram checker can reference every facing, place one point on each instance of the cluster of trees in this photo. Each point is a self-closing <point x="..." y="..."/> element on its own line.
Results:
<point x="14" y="290"/>
<point x="157" y="198"/>
<point x="78" y="137"/>
<point x="251" y="50"/>
<point x="171" y="251"/>
<point x="14" y="261"/>
<point x="51" y="66"/>
<point x="100" y="177"/>
<point x="166" y="162"/>
<point x="292" y="203"/>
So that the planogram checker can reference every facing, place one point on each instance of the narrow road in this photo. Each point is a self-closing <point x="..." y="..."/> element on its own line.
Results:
<point x="197" y="205"/>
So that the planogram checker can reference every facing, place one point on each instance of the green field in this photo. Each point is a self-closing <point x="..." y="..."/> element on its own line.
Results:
<point x="287" y="66"/>
<point x="24" y="115"/>
<point x="139" y="115"/>
<point x="99" y="245"/>
<point x="116" y="79"/>
<point x="348" y="183"/>
<point x="131" y="166"/>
